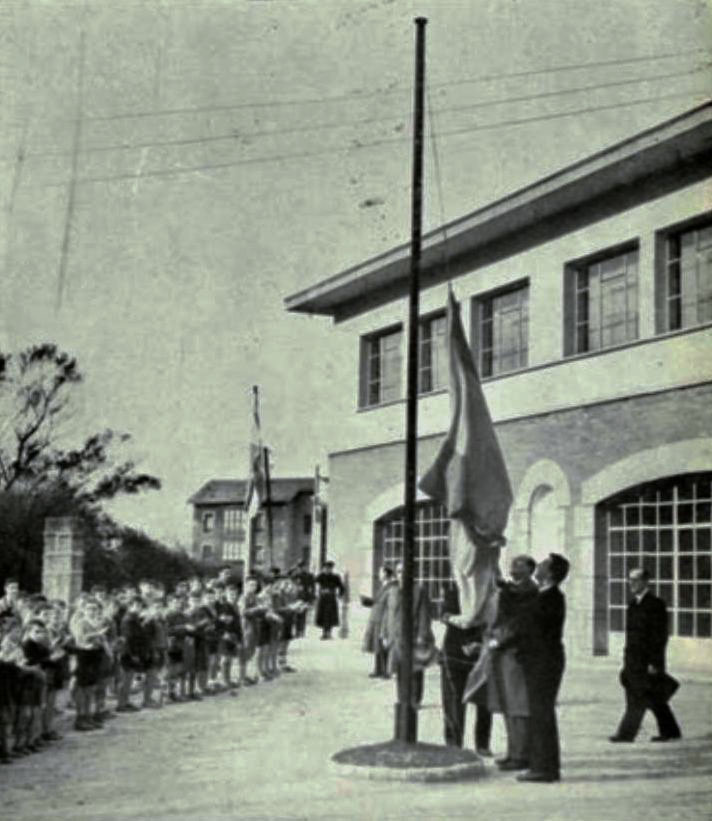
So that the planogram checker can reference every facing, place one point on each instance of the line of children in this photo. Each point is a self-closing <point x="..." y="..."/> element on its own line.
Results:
<point x="137" y="641"/>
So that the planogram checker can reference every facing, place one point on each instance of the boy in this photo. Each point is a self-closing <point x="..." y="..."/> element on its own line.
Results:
<point x="176" y="632"/>
<point x="250" y="617"/>
<point x="89" y="634"/>
<point x="209" y="681"/>
<point x="196" y="656"/>
<point x="133" y="653"/>
<point x="35" y="648"/>
<point x="231" y="638"/>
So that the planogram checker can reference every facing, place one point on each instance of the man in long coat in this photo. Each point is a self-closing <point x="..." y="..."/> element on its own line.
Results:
<point x="372" y="636"/>
<point x="424" y="651"/>
<point x="643" y="675"/>
<point x="506" y="687"/>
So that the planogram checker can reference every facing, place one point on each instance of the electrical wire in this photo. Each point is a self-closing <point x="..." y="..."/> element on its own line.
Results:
<point x="358" y="145"/>
<point x="236" y="134"/>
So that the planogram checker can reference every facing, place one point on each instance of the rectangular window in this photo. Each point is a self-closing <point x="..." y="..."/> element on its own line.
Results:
<point x="208" y="522"/>
<point x="432" y="356"/>
<point x="307" y="524"/>
<point x="233" y="519"/>
<point x="502" y="331"/>
<point x="688" y="278"/>
<point x="381" y="368"/>
<point x="603" y="303"/>
<point x="232" y="551"/>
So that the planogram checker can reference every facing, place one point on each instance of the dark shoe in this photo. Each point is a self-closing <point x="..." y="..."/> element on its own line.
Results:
<point x="619" y="739"/>
<point x="374" y="675"/>
<point x="195" y="697"/>
<point x="513" y="765"/>
<point x="82" y="725"/>
<point x="52" y="736"/>
<point x="288" y="669"/>
<point x="485" y="752"/>
<point x="500" y="761"/>
<point x="538" y="778"/>
<point x="666" y="738"/>
<point x="127" y="708"/>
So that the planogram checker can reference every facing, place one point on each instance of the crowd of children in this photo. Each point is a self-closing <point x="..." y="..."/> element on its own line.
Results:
<point x="196" y="641"/>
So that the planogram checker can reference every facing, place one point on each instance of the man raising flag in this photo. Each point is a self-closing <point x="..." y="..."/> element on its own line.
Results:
<point x="470" y="479"/>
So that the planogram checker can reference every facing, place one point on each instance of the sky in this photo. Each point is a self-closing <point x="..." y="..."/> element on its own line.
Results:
<point x="231" y="154"/>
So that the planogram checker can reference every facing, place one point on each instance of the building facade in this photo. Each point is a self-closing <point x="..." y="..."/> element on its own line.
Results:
<point x="588" y="299"/>
<point x="223" y="534"/>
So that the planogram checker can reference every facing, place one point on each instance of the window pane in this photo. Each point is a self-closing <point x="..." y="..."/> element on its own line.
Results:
<point x="704" y="625"/>
<point x="704" y="568"/>
<point x="704" y="538"/>
<point x="617" y="621"/>
<point x="686" y="594"/>
<point x="685" y="567"/>
<point x="665" y="540"/>
<point x="632" y="541"/>
<point x="685" y="624"/>
<point x="665" y="593"/>
<point x="616" y="567"/>
<point x="650" y="541"/>
<point x="685" y="513"/>
<point x="632" y="516"/>
<point x="686" y="540"/>
<point x="665" y="568"/>
<point x="616" y="539"/>
<point x="617" y="593"/>
<point x="704" y="596"/>
<point x="702" y="512"/>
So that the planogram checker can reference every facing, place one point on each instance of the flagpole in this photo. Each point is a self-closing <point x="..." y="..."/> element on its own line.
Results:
<point x="406" y="717"/>
<point x="268" y="507"/>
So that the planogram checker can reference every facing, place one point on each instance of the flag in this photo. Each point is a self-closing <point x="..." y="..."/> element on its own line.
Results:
<point x="469" y="477"/>
<point x="256" y="484"/>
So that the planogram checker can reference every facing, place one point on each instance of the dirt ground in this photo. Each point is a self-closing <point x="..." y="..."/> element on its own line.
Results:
<point x="265" y="755"/>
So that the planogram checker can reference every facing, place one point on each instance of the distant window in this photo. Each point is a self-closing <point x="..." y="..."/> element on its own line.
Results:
<point x="432" y="358"/>
<point x="208" y="522"/>
<point x="381" y="367"/>
<point x="207" y="551"/>
<point x="603" y="302"/>
<point x="307" y="524"/>
<point x="232" y="551"/>
<point x="501" y="331"/>
<point x="688" y="278"/>
<point x="233" y="519"/>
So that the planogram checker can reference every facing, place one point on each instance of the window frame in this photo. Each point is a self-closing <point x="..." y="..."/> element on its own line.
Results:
<point x="572" y="273"/>
<point x="205" y="517"/>
<point x="423" y="321"/>
<point x="477" y="305"/>
<point x="365" y="343"/>
<point x="663" y="238"/>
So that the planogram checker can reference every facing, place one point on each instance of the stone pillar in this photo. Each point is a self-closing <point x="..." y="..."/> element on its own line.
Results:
<point x="62" y="558"/>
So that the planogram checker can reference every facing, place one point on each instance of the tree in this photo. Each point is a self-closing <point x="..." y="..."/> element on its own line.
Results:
<point x="35" y="405"/>
<point x="43" y="474"/>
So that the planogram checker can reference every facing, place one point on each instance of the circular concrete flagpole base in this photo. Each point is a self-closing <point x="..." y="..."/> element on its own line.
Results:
<point x="399" y="761"/>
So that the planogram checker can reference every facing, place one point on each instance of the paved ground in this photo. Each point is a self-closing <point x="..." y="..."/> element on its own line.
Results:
<point x="264" y="753"/>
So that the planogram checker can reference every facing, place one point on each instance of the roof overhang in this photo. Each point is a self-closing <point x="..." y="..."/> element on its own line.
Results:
<point x="644" y="167"/>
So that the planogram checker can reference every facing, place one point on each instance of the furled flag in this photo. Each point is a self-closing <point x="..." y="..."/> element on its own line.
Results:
<point x="256" y="485"/>
<point x="469" y="477"/>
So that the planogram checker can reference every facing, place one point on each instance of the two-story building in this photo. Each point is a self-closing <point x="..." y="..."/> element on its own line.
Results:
<point x="588" y="298"/>
<point x="223" y="534"/>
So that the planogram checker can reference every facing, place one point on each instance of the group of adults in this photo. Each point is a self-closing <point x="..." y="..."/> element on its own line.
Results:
<point x="514" y="664"/>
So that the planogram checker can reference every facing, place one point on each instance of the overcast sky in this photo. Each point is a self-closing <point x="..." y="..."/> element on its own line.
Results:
<point x="290" y="121"/>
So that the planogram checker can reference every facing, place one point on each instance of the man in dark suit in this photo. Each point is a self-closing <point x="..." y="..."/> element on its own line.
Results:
<point x="542" y="655"/>
<point x="455" y="666"/>
<point x="646" y="635"/>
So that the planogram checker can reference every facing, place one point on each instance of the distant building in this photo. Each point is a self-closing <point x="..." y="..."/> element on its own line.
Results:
<point x="588" y="300"/>
<point x="223" y="535"/>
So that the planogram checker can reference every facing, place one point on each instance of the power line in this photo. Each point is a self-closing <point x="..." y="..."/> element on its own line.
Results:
<point x="393" y="89"/>
<point x="236" y="134"/>
<point x="357" y="145"/>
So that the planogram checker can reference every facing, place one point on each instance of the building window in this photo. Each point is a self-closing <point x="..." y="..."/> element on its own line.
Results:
<point x="381" y="368"/>
<point x="501" y="330"/>
<point x="207" y="552"/>
<point x="233" y="519"/>
<point x="688" y="278"/>
<point x="232" y="551"/>
<point x="307" y="524"/>
<point x="603" y="301"/>
<point x="208" y="522"/>
<point x="432" y="356"/>
<point x="432" y="555"/>
<point x="665" y="527"/>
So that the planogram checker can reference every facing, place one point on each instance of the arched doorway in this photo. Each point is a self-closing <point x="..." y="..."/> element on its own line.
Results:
<point x="432" y="546"/>
<point x="665" y="526"/>
<point x="544" y="522"/>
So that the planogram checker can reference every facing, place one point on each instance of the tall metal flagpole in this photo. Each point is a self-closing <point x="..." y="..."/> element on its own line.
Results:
<point x="405" y="712"/>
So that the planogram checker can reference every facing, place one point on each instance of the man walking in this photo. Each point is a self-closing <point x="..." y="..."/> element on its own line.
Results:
<point x="643" y="676"/>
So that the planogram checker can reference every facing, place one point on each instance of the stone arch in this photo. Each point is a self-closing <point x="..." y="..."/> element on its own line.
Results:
<point x="686" y="456"/>
<point x="544" y="487"/>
